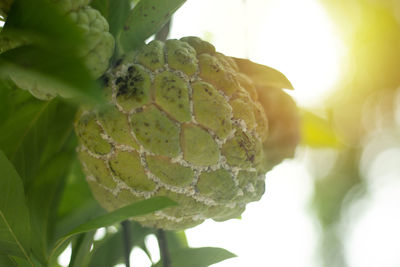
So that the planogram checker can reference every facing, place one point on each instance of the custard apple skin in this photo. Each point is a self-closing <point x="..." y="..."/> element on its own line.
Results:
<point x="181" y="122"/>
<point x="96" y="53"/>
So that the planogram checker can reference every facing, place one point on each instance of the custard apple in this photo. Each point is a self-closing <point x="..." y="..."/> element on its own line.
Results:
<point x="182" y="122"/>
<point x="98" y="49"/>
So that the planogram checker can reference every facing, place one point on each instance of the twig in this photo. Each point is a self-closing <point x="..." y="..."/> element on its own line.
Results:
<point x="162" y="34"/>
<point x="126" y="239"/>
<point x="162" y="243"/>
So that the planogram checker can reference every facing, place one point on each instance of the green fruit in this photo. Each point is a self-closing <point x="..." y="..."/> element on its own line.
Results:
<point x="184" y="123"/>
<point x="96" y="52"/>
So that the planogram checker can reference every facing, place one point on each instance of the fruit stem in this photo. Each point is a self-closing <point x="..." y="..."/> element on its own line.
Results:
<point x="126" y="236"/>
<point x="162" y="243"/>
<point x="162" y="34"/>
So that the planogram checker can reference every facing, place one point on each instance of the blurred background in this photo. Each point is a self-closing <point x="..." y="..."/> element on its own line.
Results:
<point x="338" y="202"/>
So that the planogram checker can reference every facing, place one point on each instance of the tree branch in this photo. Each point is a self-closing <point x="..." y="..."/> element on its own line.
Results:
<point x="162" y="243"/>
<point x="126" y="239"/>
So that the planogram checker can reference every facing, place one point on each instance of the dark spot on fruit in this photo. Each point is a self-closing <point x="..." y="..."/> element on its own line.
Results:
<point x="251" y="158"/>
<point x="123" y="90"/>
<point x="153" y="7"/>
<point x="119" y="80"/>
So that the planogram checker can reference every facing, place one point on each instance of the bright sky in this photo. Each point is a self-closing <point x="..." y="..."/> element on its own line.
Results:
<point x="293" y="36"/>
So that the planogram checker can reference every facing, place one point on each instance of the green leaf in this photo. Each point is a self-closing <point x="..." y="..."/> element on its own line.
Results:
<point x="50" y="58"/>
<point x="54" y="70"/>
<point x="7" y="261"/>
<point x="116" y="13"/>
<point x="136" y="209"/>
<point x="146" y="19"/>
<point x="77" y="204"/>
<point x="81" y="249"/>
<point x="38" y="137"/>
<point x="76" y="193"/>
<point x="197" y="257"/>
<point x="108" y="251"/>
<point x="126" y="212"/>
<point x="317" y="132"/>
<point x="24" y="263"/>
<point x="263" y="76"/>
<point x="30" y="20"/>
<point x="176" y="240"/>
<point x="43" y="196"/>
<point x="33" y="131"/>
<point x="14" y="216"/>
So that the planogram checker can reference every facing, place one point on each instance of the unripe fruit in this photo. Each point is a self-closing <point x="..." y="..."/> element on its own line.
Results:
<point x="96" y="51"/>
<point x="182" y="122"/>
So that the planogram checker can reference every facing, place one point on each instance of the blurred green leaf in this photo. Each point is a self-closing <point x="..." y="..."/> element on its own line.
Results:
<point x="197" y="257"/>
<point x="24" y="263"/>
<point x="81" y="249"/>
<point x="50" y="57"/>
<point x="7" y="261"/>
<point x="317" y="132"/>
<point x="53" y="69"/>
<point x="40" y="21"/>
<point x="176" y="240"/>
<point x="77" y="204"/>
<point x="43" y="197"/>
<point x="116" y="13"/>
<point x="146" y="19"/>
<point x="76" y="192"/>
<point x="263" y="76"/>
<point x="15" y="236"/>
<point x="38" y="138"/>
<point x="136" y="209"/>
<point x="33" y="130"/>
<point x="126" y="212"/>
<point x="6" y="103"/>
<point x="109" y="251"/>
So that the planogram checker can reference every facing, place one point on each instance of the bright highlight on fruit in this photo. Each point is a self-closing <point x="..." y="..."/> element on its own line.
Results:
<point x="185" y="122"/>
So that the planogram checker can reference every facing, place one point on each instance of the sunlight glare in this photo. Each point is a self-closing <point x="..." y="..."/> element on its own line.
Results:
<point x="299" y="39"/>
